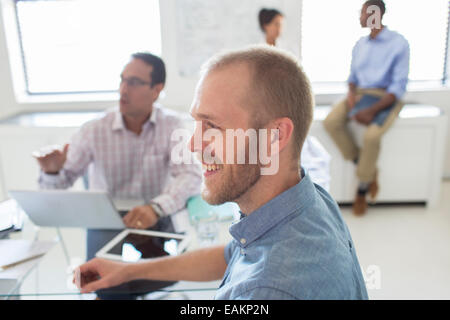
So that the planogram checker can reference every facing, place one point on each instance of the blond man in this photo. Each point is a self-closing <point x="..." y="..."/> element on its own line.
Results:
<point x="291" y="241"/>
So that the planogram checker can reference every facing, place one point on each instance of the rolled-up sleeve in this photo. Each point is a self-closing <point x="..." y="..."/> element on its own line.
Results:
<point x="62" y="180"/>
<point x="400" y="72"/>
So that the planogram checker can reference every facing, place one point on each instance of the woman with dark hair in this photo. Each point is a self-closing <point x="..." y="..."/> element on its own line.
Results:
<point x="271" y="23"/>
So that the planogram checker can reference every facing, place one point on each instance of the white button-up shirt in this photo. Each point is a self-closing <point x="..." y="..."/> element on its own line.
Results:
<point x="127" y="165"/>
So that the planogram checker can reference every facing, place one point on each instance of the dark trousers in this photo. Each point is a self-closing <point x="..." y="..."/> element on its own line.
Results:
<point x="96" y="239"/>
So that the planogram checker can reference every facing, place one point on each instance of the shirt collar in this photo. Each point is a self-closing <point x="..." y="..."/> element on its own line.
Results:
<point x="291" y="201"/>
<point x="384" y="35"/>
<point x="119" y="124"/>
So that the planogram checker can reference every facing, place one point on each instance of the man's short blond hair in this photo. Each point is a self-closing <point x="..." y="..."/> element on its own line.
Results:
<point x="279" y="87"/>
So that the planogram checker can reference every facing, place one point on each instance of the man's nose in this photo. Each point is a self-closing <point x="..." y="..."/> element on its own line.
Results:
<point x="196" y="142"/>
<point x="194" y="146"/>
<point x="191" y="144"/>
<point x="123" y="88"/>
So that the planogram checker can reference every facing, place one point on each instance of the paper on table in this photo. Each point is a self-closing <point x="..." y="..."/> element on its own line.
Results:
<point x="6" y="222"/>
<point x="19" y="270"/>
<point x="11" y="215"/>
<point x="7" y="209"/>
<point x="13" y="252"/>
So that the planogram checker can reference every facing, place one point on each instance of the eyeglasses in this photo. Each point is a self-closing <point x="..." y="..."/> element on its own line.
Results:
<point x="134" y="82"/>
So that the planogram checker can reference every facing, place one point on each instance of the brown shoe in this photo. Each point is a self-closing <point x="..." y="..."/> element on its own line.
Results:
<point x="360" y="205"/>
<point x="374" y="188"/>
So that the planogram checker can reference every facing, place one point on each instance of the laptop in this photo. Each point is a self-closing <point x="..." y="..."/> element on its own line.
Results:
<point x="72" y="209"/>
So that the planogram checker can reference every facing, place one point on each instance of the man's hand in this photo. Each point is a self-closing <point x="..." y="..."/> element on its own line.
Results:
<point x="98" y="274"/>
<point x="365" y="116"/>
<point x="141" y="217"/>
<point x="53" y="161"/>
<point x="351" y="100"/>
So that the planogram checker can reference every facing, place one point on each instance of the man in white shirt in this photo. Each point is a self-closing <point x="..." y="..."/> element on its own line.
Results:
<point x="127" y="153"/>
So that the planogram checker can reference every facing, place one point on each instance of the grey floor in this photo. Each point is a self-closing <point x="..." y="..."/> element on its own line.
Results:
<point x="404" y="252"/>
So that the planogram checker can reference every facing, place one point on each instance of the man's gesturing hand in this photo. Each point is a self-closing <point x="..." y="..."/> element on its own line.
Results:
<point x="53" y="161"/>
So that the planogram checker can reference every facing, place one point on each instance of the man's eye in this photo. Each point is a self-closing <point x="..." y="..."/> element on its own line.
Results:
<point x="211" y="126"/>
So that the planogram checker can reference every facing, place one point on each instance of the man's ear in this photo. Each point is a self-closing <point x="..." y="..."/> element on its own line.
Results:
<point x="280" y="131"/>
<point x="157" y="89"/>
<point x="284" y="130"/>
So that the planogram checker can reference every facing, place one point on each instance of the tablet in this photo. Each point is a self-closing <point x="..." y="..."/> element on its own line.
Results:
<point x="131" y="245"/>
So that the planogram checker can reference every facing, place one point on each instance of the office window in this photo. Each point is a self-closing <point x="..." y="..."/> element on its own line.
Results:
<point x="447" y="51"/>
<point x="82" y="45"/>
<point x="331" y="28"/>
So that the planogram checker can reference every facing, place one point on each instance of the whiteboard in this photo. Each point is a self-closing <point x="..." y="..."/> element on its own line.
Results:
<point x="206" y="27"/>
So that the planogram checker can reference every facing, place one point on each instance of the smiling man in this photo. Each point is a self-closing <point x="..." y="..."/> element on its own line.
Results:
<point x="291" y="241"/>
<point x="127" y="153"/>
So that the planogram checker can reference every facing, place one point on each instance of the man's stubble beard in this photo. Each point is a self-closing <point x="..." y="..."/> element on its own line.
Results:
<point x="234" y="185"/>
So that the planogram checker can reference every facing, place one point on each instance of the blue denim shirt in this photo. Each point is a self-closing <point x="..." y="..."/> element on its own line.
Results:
<point x="382" y="62"/>
<point x="296" y="246"/>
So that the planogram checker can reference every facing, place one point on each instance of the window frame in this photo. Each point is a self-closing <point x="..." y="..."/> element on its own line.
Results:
<point x="417" y="85"/>
<point x="446" y="71"/>
<point x="27" y="90"/>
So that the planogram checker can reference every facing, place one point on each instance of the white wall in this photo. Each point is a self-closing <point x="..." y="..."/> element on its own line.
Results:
<point x="178" y="93"/>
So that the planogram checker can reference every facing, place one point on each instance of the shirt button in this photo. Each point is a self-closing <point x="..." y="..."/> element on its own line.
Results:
<point x="243" y="241"/>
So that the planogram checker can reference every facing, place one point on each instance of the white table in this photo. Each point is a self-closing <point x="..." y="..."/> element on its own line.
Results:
<point x="50" y="277"/>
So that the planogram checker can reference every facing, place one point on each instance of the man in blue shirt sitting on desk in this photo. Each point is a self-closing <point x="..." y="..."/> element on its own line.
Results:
<point x="291" y="241"/>
<point x="377" y="82"/>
